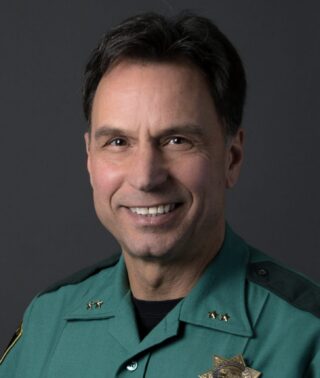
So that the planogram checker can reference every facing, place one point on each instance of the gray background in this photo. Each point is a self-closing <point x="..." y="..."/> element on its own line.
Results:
<point x="48" y="225"/>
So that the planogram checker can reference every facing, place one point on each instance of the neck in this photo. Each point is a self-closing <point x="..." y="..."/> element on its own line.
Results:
<point x="164" y="280"/>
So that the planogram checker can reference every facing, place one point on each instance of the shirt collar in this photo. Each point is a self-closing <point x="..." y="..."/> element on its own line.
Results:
<point x="218" y="300"/>
<point x="219" y="292"/>
<point x="112" y="295"/>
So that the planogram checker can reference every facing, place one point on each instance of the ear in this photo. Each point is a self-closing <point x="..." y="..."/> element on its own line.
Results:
<point x="235" y="158"/>
<point x="87" y="142"/>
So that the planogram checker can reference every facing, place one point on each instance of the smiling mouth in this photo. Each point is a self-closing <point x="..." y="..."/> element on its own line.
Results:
<point x="155" y="210"/>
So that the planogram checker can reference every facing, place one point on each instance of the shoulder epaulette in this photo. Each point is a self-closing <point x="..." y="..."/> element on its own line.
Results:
<point x="83" y="274"/>
<point x="290" y="286"/>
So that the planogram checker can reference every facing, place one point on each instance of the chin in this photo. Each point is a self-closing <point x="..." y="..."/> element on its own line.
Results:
<point x="147" y="253"/>
<point x="150" y="252"/>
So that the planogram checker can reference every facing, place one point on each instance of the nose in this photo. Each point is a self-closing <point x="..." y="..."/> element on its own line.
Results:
<point x="148" y="169"/>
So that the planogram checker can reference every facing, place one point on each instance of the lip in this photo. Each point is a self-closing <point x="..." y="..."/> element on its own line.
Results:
<point x="156" y="204"/>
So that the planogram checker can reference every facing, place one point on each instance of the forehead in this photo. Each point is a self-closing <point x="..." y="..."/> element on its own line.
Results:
<point x="178" y="70"/>
<point x="153" y="93"/>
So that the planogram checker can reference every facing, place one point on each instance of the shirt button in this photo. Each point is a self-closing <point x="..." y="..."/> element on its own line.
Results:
<point x="132" y="366"/>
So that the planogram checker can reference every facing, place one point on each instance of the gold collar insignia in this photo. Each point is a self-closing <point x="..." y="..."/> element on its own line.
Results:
<point x="234" y="367"/>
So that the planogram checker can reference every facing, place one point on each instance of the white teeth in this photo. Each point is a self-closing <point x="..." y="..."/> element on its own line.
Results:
<point x="161" y="209"/>
<point x="153" y="211"/>
<point x="167" y="208"/>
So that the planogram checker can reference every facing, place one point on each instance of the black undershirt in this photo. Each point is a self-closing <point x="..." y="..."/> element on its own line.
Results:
<point x="150" y="313"/>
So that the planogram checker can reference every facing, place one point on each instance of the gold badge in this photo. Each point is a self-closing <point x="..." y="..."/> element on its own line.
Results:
<point x="12" y="343"/>
<point x="234" y="367"/>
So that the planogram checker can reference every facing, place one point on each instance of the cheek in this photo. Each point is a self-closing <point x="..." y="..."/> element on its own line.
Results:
<point x="105" y="178"/>
<point x="201" y="176"/>
<point x="195" y="175"/>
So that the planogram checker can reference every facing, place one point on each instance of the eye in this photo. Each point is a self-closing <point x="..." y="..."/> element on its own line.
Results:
<point x="116" y="142"/>
<point x="177" y="140"/>
<point x="177" y="143"/>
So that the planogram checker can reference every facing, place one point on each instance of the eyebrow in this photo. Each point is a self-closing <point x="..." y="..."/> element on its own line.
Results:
<point x="108" y="130"/>
<point x="190" y="129"/>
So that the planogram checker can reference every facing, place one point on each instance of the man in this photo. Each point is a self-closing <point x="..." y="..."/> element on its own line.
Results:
<point x="188" y="297"/>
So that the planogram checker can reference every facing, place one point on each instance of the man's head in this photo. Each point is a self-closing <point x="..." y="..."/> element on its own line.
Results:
<point x="158" y="158"/>
<point x="187" y="38"/>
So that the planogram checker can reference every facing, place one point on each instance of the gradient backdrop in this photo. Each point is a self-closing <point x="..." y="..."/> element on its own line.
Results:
<point x="48" y="225"/>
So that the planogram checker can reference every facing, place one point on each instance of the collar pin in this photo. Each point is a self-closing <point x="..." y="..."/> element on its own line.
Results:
<point x="90" y="305"/>
<point x="213" y="314"/>
<point x="225" y="317"/>
<point x="94" y="304"/>
<point x="98" y="304"/>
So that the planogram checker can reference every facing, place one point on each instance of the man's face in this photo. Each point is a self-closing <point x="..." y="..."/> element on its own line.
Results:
<point x="158" y="160"/>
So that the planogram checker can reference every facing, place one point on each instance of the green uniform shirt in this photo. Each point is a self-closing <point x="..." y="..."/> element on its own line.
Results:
<point x="243" y="304"/>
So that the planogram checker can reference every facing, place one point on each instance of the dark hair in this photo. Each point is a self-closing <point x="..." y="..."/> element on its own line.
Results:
<point x="153" y="38"/>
